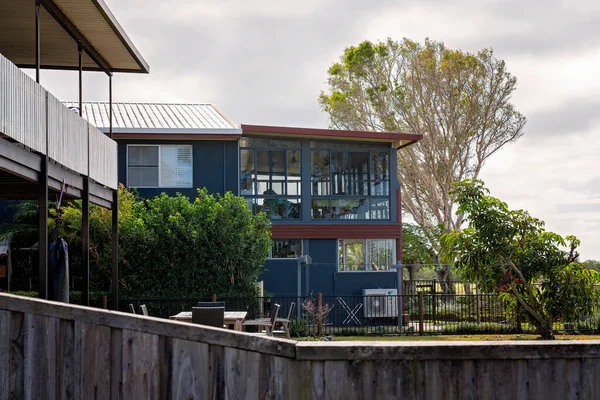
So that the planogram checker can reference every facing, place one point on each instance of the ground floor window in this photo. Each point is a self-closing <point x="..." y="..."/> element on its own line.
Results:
<point x="286" y="248"/>
<point x="366" y="254"/>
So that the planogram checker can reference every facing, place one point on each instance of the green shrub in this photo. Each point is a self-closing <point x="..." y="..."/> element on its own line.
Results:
<point x="299" y="327"/>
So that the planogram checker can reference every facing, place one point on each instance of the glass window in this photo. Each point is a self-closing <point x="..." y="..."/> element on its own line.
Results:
<point x="366" y="254"/>
<point x="286" y="248"/>
<point x="275" y="185"/>
<point x="159" y="166"/>
<point x="380" y="208"/>
<point x="319" y="144"/>
<point x="319" y="172"/>
<point x="247" y="172"/>
<point x="321" y="209"/>
<point x="380" y="174"/>
<point x="268" y="143"/>
<point x="350" y="208"/>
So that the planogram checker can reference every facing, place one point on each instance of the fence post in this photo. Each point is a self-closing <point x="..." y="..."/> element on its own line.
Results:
<point x="420" y="294"/>
<point x="105" y="302"/>
<point x="213" y="298"/>
<point x="433" y="302"/>
<point x="478" y="305"/>
<point x="319" y="314"/>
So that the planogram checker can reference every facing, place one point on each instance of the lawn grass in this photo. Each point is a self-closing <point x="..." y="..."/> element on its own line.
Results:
<point x="478" y="337"/>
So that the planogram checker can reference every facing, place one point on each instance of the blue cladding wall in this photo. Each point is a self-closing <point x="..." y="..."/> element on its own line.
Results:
<point x="280" y="277"/>
<point x="215" y="166"/>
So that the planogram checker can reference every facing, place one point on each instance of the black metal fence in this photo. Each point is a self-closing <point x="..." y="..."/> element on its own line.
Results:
<point x="420" y="313"/>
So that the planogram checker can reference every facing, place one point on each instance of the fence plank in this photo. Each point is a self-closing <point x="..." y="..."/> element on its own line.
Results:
<point x="67" y="364"/>
<point x="191" y="374"/>
<point x="17" y="356"/>
<point x="96" y="360"/>
<point x="241" y="373"/>
<point x="217" y="367"/>
<point x="5" y="353"/>
<point x="141" y="366"/>
<point x="40" y="357"/>
<point x="116" y="370"/>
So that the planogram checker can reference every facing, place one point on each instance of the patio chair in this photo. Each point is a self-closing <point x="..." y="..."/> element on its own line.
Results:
<point x="144" y="310"/>
<point x="211" y="304"/>
<point x="285" y="322"/>
<point x="210" y="316"/>
<point x="267" y="323"/>
<point x="132" y="308"/>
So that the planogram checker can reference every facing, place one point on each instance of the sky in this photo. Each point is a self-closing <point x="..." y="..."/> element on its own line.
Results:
<point x="265" y="62"/>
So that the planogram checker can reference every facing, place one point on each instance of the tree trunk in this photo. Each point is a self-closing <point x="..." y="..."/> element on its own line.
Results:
<point x="545" y="330"/>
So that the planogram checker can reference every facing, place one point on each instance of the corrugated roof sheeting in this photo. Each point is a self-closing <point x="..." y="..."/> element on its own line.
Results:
<point x="146" y="117"/>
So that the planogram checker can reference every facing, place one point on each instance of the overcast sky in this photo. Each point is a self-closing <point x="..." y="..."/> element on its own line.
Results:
<point x="265" y="62"/>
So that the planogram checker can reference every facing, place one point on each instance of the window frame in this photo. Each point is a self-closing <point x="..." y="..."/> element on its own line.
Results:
<point x="286" y="258"/>
<point x="364" y="243"/>
<point x="191" y="147"/>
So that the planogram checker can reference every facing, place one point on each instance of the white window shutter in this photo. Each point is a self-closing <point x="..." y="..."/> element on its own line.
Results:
<point x="184" y="166"/>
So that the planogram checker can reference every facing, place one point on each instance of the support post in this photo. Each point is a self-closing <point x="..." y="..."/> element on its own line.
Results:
<point x="213" y="298"/>
<point x="420" y="294"/>
<point x="110" y="131"/>
<point x="399" y="290"/>
<point x="37" y="41"/>
<point x="85" y="241"/>
<point x="115" y="251"/>
<point x="80" y="50"/>
<point x="43" y="219"/>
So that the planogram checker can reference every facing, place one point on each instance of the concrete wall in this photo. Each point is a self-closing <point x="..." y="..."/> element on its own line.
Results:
<point x="51" y="350"/>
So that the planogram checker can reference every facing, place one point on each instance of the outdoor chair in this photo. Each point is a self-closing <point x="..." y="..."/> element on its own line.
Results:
<point x="285" y="322"/>
<point x="132" y="308"/>
<point x="267" y="323"/>
<point x="144" y="310"/>
<point x="211" y="304"/>
<point x="210" y="316"/>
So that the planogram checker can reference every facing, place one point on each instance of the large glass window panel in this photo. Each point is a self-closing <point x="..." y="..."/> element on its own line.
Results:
<point x="293" y="209"/>
<point x="339" y="173"/>
<point x="320" y="144"/>
<point x="380" y="174"/>
<point x="379" y="254"/>
<point x="321" y="209"/>
<point x="247" y="175"/>
<point x="380" y="208"/>
<point x="358" y="173"/>
<point x="280" y="208"/>
<point x="350" y="208"/>
<point x="263" y="172"/>
<point x="352" y="255"/>
<point x="319" y="172"/>
<point x="293" y="173"/>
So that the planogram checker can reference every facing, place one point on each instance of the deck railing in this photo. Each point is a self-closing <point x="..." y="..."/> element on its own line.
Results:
<point x="28" y="113"/>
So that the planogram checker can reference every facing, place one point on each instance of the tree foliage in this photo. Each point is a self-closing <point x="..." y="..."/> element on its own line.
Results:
<point x="509" y="251"/>
<point x="168" y="246"/>
<point x="459" y="101"/>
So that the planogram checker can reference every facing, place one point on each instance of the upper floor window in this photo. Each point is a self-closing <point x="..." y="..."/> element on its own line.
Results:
<point x="165" y="166"/>
<point x="270" y="176"/>
<point x="350" y="184"/>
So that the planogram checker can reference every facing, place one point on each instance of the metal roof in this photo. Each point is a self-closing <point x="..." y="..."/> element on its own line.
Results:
<point x="64" y="23"/>
<point x="159" y="118"/>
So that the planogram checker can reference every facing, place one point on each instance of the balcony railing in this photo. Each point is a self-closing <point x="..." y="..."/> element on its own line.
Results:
<point x="28" y="112"/>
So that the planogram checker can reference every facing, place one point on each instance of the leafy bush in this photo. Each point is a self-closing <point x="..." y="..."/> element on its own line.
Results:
<point x="299" y="327"/>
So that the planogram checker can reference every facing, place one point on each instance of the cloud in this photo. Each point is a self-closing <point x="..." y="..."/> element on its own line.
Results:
<point x="572" y="117"/>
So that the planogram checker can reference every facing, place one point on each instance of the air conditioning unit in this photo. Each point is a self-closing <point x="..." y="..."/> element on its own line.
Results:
<point x="380" y="303"/>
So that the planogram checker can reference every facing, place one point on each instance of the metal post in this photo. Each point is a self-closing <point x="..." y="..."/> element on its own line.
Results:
<point x="85" y="240"/>
<point x="420" y="297"/>
<point x="399" y="289"/>
<point x="43" y="218"/>
<point x="115" y="251"/>
<point x="110" y="132"/>
<point x="37" y="41"/>
<point x="80" y="50"/>
<point x="299" y="285"/>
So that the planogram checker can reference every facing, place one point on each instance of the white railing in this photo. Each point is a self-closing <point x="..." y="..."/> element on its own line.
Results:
<point x="67" y="137"/>
<point x="28" y="112"/>
<point x="103" y="158"/>
<point x="22" y="107"/>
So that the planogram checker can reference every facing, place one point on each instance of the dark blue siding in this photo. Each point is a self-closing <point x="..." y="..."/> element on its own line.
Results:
<point x="215" y="166"/>
<point x="280" y="277"/>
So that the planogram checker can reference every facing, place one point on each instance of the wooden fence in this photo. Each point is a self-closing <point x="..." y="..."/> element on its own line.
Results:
<point x="50" y="350"/>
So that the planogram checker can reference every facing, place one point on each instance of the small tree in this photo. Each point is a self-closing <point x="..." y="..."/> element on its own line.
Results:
<point x="510" y="251"/>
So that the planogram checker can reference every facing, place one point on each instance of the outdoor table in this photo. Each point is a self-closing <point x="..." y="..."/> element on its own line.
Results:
<point x="234" y="318"/>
